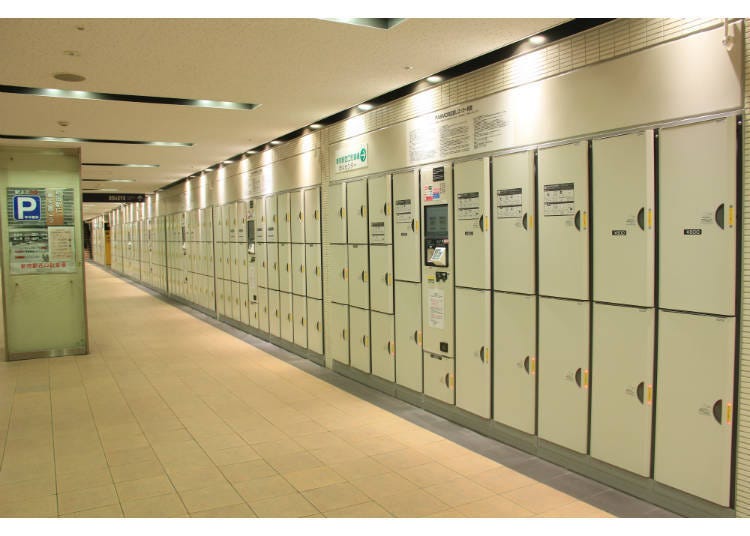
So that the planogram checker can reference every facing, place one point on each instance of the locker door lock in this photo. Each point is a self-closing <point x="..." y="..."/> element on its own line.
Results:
<point x="391" y="348"/>
<point x="481" y="355"/>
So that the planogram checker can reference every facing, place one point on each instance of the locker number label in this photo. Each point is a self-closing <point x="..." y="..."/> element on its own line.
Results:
<point x="692" y="232"/>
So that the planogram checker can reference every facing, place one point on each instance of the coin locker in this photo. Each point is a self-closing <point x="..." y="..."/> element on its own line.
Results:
<point x="359" y="276"/>
<point x="312" y="216"/>
<point x="241" y="232"/>
<point x="261" y="263"/>
<point x="473" y="351"/>
<point x="514" y="360"/>
<point x="381" y="279"/>
<point x="337" y="219"/>
<point x="471" y="201"/>
<point x="284" y="217"/>
<point x="299" y="306"/>
<point x="315" y="325"/>
<point x="298" y="269"/>
<point x="259" y="210"/>
<point x="234" y="268"/>
<point x="379" y="201"/>
<point x="244" y="305"/>
<point x="220" y="302"/>
<point x="286" y="316"/>
<point x="263" y="324"/>
<point x="408" y="332"/>
<point x="272" y="253"/>
<point x="254" y="314"/>
<point x="272" y="220"/>
<point x="383" y="346"/>
<point x="274" y="313"/>
<point x="359" y="343"/>
<point x="563" y="221"/>
<point x="236" y="301"/>
<point x="297" y="217"/>
<point x="406" y="220"/>
<point x="697" y="251"/>
<point x="564" y="372"/>
<point x="356" y="213"/>
<point x="439" y="377"/>
<point x="230" y="222"/>
<point x="622" y="398"/>
<point x="285" y="267"/>
<point x="337" y="330"/>
<point x="514" y="218"/>
<point x="338" y="277"/>
<point x="314" y="271"/>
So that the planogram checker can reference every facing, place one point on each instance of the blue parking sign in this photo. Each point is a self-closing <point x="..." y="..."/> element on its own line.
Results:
<point x="27" y="207"/>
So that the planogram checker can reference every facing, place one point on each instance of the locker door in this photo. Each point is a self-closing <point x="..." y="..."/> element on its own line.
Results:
<point x="219" y="260"/>
<point x="356" y="213"/>
<point x="381" y="279"/>
<point x="272" y="253"/>
<point x="242" y="257"/>
<point x="473" y="347"/>
<point x="338" y="277"/>
<point x="623" y="201"/>
<point x="230" y="222"/>
<point x="274" y="313"/>
<point x="299" y="306"/>
<point x="383" y="346"/>
<point x="359" y="344"/>
<point x="287" y="316"/>
<point x="408" y="308"/>
<point x="284" y="217"/>
<point x="259" y="210"/>
<point x="220" y="301"/>
<point x="513" y="222"/>
<point x="226" y="255"/>
<point x="622" y="358"/>
<point x="359" y="276"/>
<point x="261" y="262"/>
<point x="693" y="440"/>
<point x="471" y="196"/>
<point x="244" y="305"/>
<point x="252" y="276"/>
<point x="297" y="216"/>
<point x="563" y="372"/>
<point x="234" y="267"/>
<point x="263" y="324"/>
<point x="337" y="329"/>
<point x="314" y="271"/>
<point x="379" y="199"/>
<point x="298" y="269"/>
<point x="337" y="213"/>
<point x="241" y="233"/>
<point x="315" y="325"/>
<point x="236" y="301"/>
<point x="696" y="223"/>
<point x="272" y="219"/>
<point x="514" y="355"/>
<point x="254" y="314"/>
<point x="312" y="216"/>
<point x="218" y="220"/>
<point x="563" y="221"/>
<point x="285" y="267"/>
<point x="406" y="246"/>
<point x="439" y="377"/>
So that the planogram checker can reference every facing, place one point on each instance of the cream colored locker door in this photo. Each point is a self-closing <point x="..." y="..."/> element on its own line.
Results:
<point x="261" y="222"/>
<point x="338" y="277"/>
<point x="314" y="271"/>
<point x="274" y="313"/>
<point x="263" y="312"/>
<point x="261" y="261"/>
<point x="697" y="197"/>
<point x="356" y="214"/>
<point x="623" y="201"/>
<point x="359" y="276"/>
<point x="210" y="258"/>
<point x="253" y="314"/>
<point x="242" y="258"/>
<point x="272" y="219"/>
<point x="284" y="217"/>
<point x="272" y="254"/>
<point x="408" y="307"/>
<point x="407" y="249"/>
<point x="337" y="231"/>
<point x="383" y="346"/>
<point x="226" y="256"/>
<point x="380" y="209"/>
<point x="298" y="269"/>
<point x="473" y="351"/>
<point x="563" y="221"/>
<point x="312" y="216"/>
<point x="564" y="372"/>
<point x="244" y="304"/>
<point x="285" y="267"/>
<point x="234" y="265"/>
<point x="514" y="219"/>
<point x="514" y="360"/>
<point x="241" y="233"/>
<point x="621" y="395"/>
<point x="381" y="279"/>
<point x="230" y="222"/>
<point x="360" y="343"/>
<point x="337" y="333"/>
<point x="252" y="276"/>
<point x="218" y="220"/>
<point x="299" y="306"/>
<point x="236" y="301"/>
<point x="471" y="198"/>
<point x="287" y="316"/>
<point x="220" y="300"/>
<point x="439" y="377"/>
<point x="297" y="216"/>
<point x="315" y="325"/>
<point x="694" y="395"/>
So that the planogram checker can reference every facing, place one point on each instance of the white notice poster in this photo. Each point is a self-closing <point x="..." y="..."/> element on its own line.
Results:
<point x="468" y="206"/>
<point x="61" y="244"/>
<point x="510" y="203"/>
<point x="559" y="199"/>
<point x="436" y="300"/>
<point x="403" y="211"/>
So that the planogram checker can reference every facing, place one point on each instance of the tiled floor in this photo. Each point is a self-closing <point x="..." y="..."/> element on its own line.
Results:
<point x="174" y="416"/>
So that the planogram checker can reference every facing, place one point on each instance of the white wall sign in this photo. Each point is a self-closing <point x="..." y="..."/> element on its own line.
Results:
<point x="351" y="158"/>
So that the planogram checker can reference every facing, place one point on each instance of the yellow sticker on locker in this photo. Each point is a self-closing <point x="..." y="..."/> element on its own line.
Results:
<point x="649" y="218"/>
<point x="649" y="394"/>
<point x="729" y="413"/>
<point x="452" y="381"/>
<point x="584" y="220"/>
<point x="731" y="215"/>
<point x="585" y="379"/>
<point x="533" y="365"/>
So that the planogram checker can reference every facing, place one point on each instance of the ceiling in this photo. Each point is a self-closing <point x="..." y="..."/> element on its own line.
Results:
<point x="298" y="70"/>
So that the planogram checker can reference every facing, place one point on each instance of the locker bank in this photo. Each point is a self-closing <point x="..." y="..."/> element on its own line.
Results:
<point x="545" y="249"/>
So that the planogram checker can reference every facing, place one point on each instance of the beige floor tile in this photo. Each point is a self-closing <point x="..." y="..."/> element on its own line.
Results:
<point x="236" y="510"/>
<point x="242" y="472"/>
<point x="144" y="487"/>
<point x="577" y="509"/>
<point x="197" y="500"/>
<point x="306" y="427"/>
<point x="125" y="443"/>
<point x="335" y="497"/>
<point x="113" y="510"/>
<point x="493" y="507"/>
<point x="79" y="480"/>
<point x="319" y="440"/>
<point x="136" y="471"/>
<point x="86" y="499"/>
<point x="228" y="456"/>
<point x="364" y="510"/>
<point x="359" y="468"/>
<point x="469" y="464"/>
<point x="264" y="488"/>
<point x="130" y="456"/>
<point x="27" y="489"/>
<point x="37" y="507"/>
<point x="278" y="448"/>
<point x="459" y="491"/>
<point x="287" y="463"/>
<point x="162" y="506"/>
<point x="429" y="474"/>
<point x="340" y="454"/>
<point x="379" y="486"/>
<point x="293" y="505"/>
<point x="317" y="477"/>
<point x="187" y="478"/>
<point x="502" y="479"/>
<point x="167" y="435"/>
<point x="448" y="513"/>
<point x="221" y="441"/>
<point x="414" y="503"/>
<point x="539" y="498"/>
<point x="262" y="434"/>
<point x="402" y="459"/>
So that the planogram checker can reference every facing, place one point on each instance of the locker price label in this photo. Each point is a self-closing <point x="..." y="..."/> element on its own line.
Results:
<point x="403" y="211"/>
<point x="436" y="300"/>
<point x="559" y="199"/>
<point x="509" y="203"/>
<point x="468" y="206"/>
<point x="377" y="232"/>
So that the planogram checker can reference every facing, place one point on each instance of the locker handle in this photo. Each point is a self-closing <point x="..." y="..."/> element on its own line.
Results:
<point x="416" y="336"/>
<point x="302" y="321"/>
<point x="300" y="216"/>
<point x="363" y="211"/>
<point x="317" y="270"/>
<point x="717" y="410"/>
<point x="343" y="334"/>
<point x="287" y="267"/>
<point x="525" y="221"/>
<point x="317" y="325"/>
<point x="302" y="268"/>
<point x="412" y="225"/>
<point x="639" y="391"/>
<point x="385" y="208"/>
<point x="342" y="213"/>
<point x="481" y="223"/>
<point x="642" y="223"/>
<point x="364" y="276"/>
<point x="719" y="216"/>
<point x="390" y="348"/>
<point x="447" y="379"/>
<point x="577" y="220"/>
<point x="364" y="340"/>
<point x="526" y="364"/>
<point x="343" y="274"/>
<point x="578" y="376"/>
<point x="317" y="214"/>
<point x="387" y="279"/>
<point x="481" y="354"/>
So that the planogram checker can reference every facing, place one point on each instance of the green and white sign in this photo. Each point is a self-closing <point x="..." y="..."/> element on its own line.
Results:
<point x="351" y="158"/>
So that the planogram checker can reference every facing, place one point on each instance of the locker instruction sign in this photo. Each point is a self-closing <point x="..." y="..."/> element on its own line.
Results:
<point x="468" y="206"/>
<point x="559" y="199"/>
<point x="509" y="203"/>
<point x="436" y="302"/>
<point x="403" y="211"/>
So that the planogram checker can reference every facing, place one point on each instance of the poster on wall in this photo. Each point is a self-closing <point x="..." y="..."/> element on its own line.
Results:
<point x="41" y="230"/>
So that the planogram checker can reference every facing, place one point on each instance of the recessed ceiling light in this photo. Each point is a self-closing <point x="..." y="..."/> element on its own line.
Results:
<point x="251" y="152"/>
<point x="121" y="180"/>
<point x="537" y="40"/>
<point x="434" y="79"/>
<point x="208" y="170"/>
<point x="365" y="106"/>
<point x="94" y="140"/>
<point x="69" y="77"/>
<point x="228" y="161"/>
<point x="316" y="126"/>
<point x="120" y="165"/>
<point x="276" y="142"/>
<point x="408" y="67"/>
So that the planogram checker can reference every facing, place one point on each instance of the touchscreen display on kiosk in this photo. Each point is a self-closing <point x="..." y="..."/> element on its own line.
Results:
<point x="436" y="235"/>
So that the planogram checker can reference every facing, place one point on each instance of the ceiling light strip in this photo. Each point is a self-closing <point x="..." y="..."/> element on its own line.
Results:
<point x="144" y="99"/>
<point x="95" y="140"/>
<point x="120" y="165"/>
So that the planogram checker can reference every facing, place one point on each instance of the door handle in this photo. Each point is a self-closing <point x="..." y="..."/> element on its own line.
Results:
<point x="364" y="340"/>
<point x="577" y="220"/>
<point x="447" y="379"/>
<point x="526" y="364"/>
<point x="363" y="211"/>
<point x="639" y="391"/>
<point x="578" y="377"/>
<point x="390" y="348"/>
<point x="719" y="216"/>
<point x="525" y="221"/>
<point x="641" y="218"/>
<point x="343" y="274"/>
<point x="301" y="217"/>
<point x="364" y="276"/>
<point x="343" y="334"/>
<point x="317" y="325"/>
<point x="717" y="410"/>
<point x="385" y="208"/>
<point x="481" y="222"/>
<point x="481" y="354"/>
